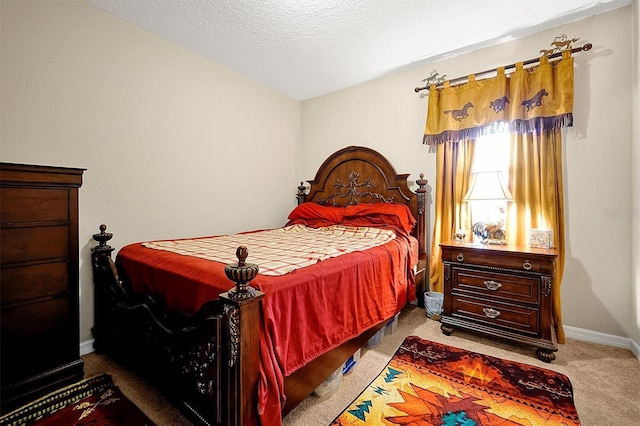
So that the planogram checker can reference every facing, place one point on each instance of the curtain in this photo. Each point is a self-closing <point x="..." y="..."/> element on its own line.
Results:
<point x="531" y="100"/>
<point x="533" y="104"/>
<point x="535" y="179"/>
<point x="453" y="166"/>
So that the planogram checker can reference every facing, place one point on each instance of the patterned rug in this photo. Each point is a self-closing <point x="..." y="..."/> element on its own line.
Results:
<point x="428" y="383"/>
<point x="94" y="401"/>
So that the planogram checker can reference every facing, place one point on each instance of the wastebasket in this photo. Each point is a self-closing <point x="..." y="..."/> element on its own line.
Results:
<point x="433" y="304"/>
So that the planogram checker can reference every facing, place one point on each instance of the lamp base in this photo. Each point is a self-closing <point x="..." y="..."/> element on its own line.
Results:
<point x="493" y="241"/>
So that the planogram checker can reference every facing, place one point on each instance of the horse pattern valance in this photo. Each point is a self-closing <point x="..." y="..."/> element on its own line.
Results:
<point x="528" y="100"/>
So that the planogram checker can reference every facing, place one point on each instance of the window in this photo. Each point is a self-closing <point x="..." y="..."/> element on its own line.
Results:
<point x="491" y="153"/>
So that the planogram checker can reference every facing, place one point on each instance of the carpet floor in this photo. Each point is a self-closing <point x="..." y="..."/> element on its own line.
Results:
<point x="605" y="379"/>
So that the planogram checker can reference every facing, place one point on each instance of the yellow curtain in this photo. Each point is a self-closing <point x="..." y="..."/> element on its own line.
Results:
<point x="535" y="179"/>
<point x="453" y="167"/>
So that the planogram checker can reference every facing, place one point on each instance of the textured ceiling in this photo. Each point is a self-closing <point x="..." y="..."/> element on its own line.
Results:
<point x="307" y="48"/>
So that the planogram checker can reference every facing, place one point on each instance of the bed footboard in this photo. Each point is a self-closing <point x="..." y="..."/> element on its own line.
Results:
<point x="207" y="364"/>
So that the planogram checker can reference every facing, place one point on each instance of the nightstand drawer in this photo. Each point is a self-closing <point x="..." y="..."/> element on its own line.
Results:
<point x="488" y="258"/>
<point x="496" y="285"/>
<point x="521" y="319"/>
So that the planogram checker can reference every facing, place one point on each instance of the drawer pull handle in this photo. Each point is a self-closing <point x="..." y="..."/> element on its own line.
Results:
<point x="490" y="312"/>
<point x="492" y="285"/>
<point x="460" y="257"/>
<point x="526" y="265"/>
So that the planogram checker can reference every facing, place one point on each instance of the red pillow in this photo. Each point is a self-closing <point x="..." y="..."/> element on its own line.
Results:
<point x="394" y="214"/>
<point x="313" y="211"/>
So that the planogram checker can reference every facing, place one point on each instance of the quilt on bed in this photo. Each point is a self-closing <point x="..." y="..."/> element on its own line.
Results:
<point x="281" y="250"/>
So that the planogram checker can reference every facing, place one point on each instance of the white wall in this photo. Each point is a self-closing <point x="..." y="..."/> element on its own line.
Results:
<point x="174" y="145"/>
<point x="388" y="116"/>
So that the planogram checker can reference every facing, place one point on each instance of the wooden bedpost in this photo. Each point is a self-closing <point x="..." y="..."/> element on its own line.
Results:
<point x="103" y="268"/>
<point x="242" y="309"/>
<point x="422" y="275"/>
<point x="422" y="213"/>
<point x="302" y="192"/>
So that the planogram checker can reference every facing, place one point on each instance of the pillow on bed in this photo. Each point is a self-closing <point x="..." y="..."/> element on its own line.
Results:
<point x="313" y="211"/>
<point x="395" y="214"/>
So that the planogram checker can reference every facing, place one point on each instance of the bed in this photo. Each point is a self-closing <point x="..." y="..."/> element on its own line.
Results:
<point x="232" y="339"/>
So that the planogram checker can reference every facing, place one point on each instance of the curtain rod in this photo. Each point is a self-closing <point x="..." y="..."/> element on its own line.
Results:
<point x="460" y="80"/>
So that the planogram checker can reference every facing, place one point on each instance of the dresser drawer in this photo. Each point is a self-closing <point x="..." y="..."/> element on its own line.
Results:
<point x="523" y="320"/>
<point x="496" y="285"/>
<point x="488" y="258"/>
<point x="32" y="281"/>
<point x="37" y="337"/>
<point x="34" y="243"/>
<point x="521" y="259"/>
<point x="21" y="205"/>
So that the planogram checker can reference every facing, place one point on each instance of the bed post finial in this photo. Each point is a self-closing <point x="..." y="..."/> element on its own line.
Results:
<point x="103" y="249"/>
<point x="302" y="189"/>
<point x="102" y="237"/>
<point x="241" y="274"/>
<point x="421" y="191"/>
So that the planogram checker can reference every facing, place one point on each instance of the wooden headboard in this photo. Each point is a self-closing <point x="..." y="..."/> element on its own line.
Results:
<point x="357" y="174"/>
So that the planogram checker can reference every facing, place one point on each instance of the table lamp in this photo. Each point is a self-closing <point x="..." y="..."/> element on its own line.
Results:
<point x="488" y="186"/>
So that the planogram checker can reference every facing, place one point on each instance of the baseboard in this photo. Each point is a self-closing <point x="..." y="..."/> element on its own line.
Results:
<point x="86" y="347"/>
<point x="602" y="339"/>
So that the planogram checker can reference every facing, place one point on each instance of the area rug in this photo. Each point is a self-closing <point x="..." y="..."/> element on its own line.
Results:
<point x="93" y="401"/>
<point x="428" y="383"/>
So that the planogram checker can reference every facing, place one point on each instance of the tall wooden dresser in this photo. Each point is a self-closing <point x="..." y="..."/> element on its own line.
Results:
<point x="40" y="342"/>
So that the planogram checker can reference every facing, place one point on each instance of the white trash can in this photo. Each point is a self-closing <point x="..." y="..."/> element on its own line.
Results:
<point x="433" y="304"/>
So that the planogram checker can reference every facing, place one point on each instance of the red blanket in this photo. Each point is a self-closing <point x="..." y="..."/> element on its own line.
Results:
<point x="306" y="312"/>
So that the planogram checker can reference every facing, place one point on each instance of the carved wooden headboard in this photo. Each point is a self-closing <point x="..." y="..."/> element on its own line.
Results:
<point x="357" y="174"/>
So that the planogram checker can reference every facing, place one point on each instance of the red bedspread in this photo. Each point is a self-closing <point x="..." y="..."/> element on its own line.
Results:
<point x="306" y="312"/>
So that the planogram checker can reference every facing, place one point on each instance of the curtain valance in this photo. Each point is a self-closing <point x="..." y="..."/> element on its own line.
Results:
<point x="535" y="99"/>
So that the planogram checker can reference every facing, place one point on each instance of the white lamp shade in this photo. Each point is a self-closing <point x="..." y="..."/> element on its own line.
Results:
<point x="487" y="186"/>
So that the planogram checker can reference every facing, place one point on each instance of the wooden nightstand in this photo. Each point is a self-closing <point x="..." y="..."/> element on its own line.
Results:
<point x="501" y="291"/>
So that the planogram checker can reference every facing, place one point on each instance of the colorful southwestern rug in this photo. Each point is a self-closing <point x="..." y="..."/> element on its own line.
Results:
<point x="93" y="401"/>
<point x="428" y="383"/>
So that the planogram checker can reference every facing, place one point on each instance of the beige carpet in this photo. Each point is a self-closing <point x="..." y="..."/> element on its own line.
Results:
<point x="606" y="380"/>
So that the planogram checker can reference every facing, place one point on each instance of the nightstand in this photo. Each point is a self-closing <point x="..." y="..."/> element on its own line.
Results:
<point x="500" y="291"/>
